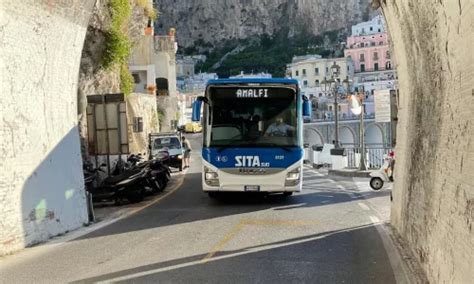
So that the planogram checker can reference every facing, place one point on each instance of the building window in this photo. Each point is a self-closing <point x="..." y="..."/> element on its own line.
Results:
<point x="297" y="73"/>
<point x="327" y="70"/>
<point x="304" y="72"/>
<point x="138" y="124"/>
<point x="320" y="94"/>
<point x="372" y="43"/>
<point x="388" y="65"/>
<point x="371" y="28"/>
<point x="316" y="83"/>
<point x="362" y="57"/>
<point x="339" y="107"/>
<point x="380" y="30"/>
<point x="387" y="54"/>
<point x="376" y="67"/>
<point x="362" y="68"/>
<point x="305" y="83"/>
<point x="330" y="108"/>
<point x="376" y="56"/>
<point x="136" y="78"/>
<point x="316" y="71"/>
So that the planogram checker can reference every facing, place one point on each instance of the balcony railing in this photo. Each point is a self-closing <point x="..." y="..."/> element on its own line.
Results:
<point x="373" y="70"/>
<point x="165" y="43"/>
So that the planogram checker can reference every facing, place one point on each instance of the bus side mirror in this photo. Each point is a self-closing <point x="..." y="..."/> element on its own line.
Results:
<point x="197" y="110"/>
<point x="307" y="109"/>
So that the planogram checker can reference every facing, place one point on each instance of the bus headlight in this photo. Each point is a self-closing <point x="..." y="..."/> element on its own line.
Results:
<point x="211" y="177"/>
<point x="293" y="177"/>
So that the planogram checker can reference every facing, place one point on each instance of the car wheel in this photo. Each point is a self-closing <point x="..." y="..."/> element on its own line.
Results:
<point x="376" y="183"/>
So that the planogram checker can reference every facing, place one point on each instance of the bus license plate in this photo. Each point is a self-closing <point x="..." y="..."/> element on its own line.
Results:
<point x="252" y="188"/>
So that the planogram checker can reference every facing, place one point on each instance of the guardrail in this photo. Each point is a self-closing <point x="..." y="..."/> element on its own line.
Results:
<point x="374" y="156"/>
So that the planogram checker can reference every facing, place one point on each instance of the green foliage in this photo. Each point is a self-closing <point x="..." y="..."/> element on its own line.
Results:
<point x="117" y="48"/>
<point x="126" y="80"/>
<point x="121" y="11"/>
<point x="117" y="42"/>
<point x="267" y="53"/>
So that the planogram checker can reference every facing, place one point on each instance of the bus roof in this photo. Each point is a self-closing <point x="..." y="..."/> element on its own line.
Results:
<point x="253" y="81"/>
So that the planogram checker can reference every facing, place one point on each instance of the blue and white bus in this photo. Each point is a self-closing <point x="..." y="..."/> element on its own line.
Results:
<point x="252" y="135"/>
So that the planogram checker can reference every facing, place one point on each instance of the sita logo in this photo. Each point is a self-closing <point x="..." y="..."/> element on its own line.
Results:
<point x="247" y="161"/>
<point x="250" y="162"/>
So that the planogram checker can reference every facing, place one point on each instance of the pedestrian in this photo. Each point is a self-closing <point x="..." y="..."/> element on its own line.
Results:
<point x="187" y="152"/>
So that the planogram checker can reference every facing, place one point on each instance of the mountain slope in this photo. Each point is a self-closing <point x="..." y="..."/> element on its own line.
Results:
<point x="207" y="23"/>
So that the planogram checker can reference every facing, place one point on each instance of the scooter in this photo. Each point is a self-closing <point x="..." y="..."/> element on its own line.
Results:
<point x="382" y="175"/>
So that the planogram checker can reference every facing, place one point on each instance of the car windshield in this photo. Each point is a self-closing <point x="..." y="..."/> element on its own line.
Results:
<point x="253" y="117"/>
<point x="166" y="142"/>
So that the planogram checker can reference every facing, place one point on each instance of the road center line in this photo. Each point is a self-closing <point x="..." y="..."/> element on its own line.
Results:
<point x="229" y="236"/>
<point x="258" y="222"/>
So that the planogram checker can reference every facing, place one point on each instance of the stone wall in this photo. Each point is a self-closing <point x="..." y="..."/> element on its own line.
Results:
<point x="433" y="197"/>
<point x="41" y="182"/>
<point x="144" y="106"/>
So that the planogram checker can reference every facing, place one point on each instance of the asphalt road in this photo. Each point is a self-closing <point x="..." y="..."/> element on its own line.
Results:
<point x="329" y="233"/>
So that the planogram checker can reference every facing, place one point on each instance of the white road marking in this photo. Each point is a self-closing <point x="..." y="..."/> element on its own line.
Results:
<point x="374" y="219"/>
<point x="217" y="258"/>
<point x="363" y="206"/>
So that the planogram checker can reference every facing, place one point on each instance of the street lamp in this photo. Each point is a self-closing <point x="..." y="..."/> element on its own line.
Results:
<point x="362" y="165"/>
<point x="334" y="86"/>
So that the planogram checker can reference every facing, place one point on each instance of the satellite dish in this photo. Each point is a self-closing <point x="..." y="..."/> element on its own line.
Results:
<point x="356" y="107"/>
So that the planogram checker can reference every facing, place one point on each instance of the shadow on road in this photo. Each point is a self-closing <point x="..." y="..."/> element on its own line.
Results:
<point x="307" y="259"/>
<point x="190" y="204"/>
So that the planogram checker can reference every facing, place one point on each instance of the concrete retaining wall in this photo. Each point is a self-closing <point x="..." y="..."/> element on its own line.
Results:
<point x="41" y="182"/>
<point x="433" y="197"/>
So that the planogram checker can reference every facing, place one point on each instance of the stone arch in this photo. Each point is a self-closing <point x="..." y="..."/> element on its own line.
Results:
<point x="346" y="135"/>
<point x="374" y="135"/>
<point x="313" y="137"/>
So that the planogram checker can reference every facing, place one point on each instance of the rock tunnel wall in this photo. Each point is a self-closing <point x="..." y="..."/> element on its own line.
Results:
<point x="41" y="182"/>
<point x="433" y="196"/>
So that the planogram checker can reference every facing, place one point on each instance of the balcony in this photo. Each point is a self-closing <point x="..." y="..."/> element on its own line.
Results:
<point x="368" y="70"/>
<point x="165" y="44"/>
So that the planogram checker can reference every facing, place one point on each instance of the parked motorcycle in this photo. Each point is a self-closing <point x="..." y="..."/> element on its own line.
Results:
<point x="158" y="172"/>
<point x="384" y="174"/>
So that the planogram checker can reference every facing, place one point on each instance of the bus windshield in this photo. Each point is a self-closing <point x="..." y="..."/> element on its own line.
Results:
<point x="252" y="117"/>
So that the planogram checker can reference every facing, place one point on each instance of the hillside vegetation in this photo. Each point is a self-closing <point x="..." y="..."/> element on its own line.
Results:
<point x="266" y="53"/>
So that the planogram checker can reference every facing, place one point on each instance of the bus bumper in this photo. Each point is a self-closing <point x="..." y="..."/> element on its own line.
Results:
<point x="253" y="183"/>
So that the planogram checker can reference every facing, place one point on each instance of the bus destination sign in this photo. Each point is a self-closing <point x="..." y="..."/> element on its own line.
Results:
<point x="253" y="93"/>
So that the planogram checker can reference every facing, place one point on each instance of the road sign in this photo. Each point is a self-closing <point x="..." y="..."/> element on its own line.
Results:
<point x="382" y="106"/>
